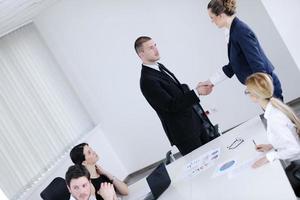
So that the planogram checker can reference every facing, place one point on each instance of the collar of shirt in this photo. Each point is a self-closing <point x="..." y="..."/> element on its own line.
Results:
<point x="268" y="110"/>
<point x="91" y="198"/>
<point x="153" y="66"/>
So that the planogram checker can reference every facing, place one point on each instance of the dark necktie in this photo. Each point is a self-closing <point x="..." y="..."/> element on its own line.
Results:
<point x="164" y="70"/>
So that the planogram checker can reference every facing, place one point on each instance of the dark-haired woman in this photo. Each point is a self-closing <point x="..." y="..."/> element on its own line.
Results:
<point x="245" y="54"/>
<point x="83" y="154"/>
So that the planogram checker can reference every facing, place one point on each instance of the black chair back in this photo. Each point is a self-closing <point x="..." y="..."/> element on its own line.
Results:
<point x="56" y="190"/>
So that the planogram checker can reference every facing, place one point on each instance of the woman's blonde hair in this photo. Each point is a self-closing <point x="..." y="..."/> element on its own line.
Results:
<point x="261" y="85"/>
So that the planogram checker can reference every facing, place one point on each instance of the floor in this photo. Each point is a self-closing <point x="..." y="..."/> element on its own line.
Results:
<point x="132" y="178"/>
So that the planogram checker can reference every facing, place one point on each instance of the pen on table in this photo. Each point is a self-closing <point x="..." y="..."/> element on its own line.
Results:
<point x="254" y="143"/>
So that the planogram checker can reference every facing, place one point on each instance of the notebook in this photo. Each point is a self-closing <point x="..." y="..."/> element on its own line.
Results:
<point x="158" y="181"/>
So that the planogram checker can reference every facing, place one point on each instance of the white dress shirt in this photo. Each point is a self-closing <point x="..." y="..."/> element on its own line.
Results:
<point x="227" y="34"/>
<point x="281" y="133"/>
<point x="91" y="198"/>
<point x="155" y="66"/>
<point x="219" y="75"/>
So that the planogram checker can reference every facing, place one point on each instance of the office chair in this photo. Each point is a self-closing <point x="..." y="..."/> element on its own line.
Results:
<point x="169" y="157"/>
<point x="56" y="190"/>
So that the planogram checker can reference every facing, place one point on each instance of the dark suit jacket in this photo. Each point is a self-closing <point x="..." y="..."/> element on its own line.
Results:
<point x="173" y="106"/>
<point x="245" y="53"/>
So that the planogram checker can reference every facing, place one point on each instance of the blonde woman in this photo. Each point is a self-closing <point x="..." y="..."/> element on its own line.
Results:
<point x="283" y="126"/>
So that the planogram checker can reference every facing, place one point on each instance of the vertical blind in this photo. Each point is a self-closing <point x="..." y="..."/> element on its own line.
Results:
<point x="40" y="114"/>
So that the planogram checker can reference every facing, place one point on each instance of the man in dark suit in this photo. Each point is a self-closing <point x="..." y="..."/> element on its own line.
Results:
<point x="173" y="105"/>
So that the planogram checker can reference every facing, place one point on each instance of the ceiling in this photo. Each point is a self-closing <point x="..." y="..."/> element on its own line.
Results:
<point x="15" y="13"/>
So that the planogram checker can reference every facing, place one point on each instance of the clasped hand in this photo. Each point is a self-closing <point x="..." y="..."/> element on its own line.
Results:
<point x="204" y="88"/>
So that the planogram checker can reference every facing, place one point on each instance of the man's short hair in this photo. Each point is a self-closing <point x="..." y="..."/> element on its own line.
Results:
<point x="138" y="44"/>
<point x="76" y="171"/>
<point x="77" y="155"/>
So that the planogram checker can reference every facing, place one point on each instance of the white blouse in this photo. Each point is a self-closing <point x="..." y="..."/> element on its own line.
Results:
<point x="281" y="133"/>
<point x="219" y="75"/>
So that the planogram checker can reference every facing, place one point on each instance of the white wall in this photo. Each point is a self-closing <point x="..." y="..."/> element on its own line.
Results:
<point x="93" y="42"/>
<point x="285" y="16"/>
<point x="107" y="159"/>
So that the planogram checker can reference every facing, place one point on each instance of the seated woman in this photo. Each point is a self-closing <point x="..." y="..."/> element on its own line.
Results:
<point x="283" y="127"/>
<point x="82" y="154"/>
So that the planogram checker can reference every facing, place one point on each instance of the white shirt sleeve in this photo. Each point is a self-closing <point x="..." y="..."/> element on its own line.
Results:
<point x="281" y="136"/>
<point x="218" y="77"/>
<point x="272" y="156"/>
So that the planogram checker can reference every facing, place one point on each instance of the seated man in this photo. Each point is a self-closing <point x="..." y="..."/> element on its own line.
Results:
<point x="82" y="154"/>
<point x="79" y="184"/>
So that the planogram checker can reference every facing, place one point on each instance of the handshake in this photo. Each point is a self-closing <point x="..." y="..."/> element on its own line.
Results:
<point x="204" y="88"/>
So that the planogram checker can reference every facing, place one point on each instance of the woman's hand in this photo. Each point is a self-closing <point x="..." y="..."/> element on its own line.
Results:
<point x="260" y="162"/>
<point x="120" y="186"/>
<point x="264" y="147"/>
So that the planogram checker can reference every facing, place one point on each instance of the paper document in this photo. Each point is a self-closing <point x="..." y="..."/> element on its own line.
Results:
<point x="201" y="163"/>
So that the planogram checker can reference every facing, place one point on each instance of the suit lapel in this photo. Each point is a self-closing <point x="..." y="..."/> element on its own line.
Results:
<point x="153" y="72"/>
<point x="231" y="35"/>
<point x="169" y="74"/>
<point x="162" y="75"/>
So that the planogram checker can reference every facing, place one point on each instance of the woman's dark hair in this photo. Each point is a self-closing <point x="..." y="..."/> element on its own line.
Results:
<point x="222" y="6"/>
<point x="77" y="155"/>
<point x="76" y="171"/>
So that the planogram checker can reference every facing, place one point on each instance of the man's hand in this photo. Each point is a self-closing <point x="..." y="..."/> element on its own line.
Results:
<point x="107" y="191"/>
<point x="206" y="83"/>
<point x="204" y="88"/>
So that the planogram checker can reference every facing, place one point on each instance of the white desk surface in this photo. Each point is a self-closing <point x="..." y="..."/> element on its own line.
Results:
<point x="266" y="182"/>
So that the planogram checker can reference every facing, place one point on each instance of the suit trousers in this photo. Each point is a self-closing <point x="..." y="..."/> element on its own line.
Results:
<point x="188" y="146"/>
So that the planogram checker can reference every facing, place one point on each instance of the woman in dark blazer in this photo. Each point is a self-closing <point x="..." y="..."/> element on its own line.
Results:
<point x="244" y="51"/>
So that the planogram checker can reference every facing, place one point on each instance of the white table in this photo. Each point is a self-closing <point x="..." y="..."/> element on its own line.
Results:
<point x="267" y="182"/>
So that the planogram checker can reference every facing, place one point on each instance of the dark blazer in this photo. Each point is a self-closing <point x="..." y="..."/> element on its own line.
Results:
<point x="173" y="106"/>
<point x="246" y="55"/>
